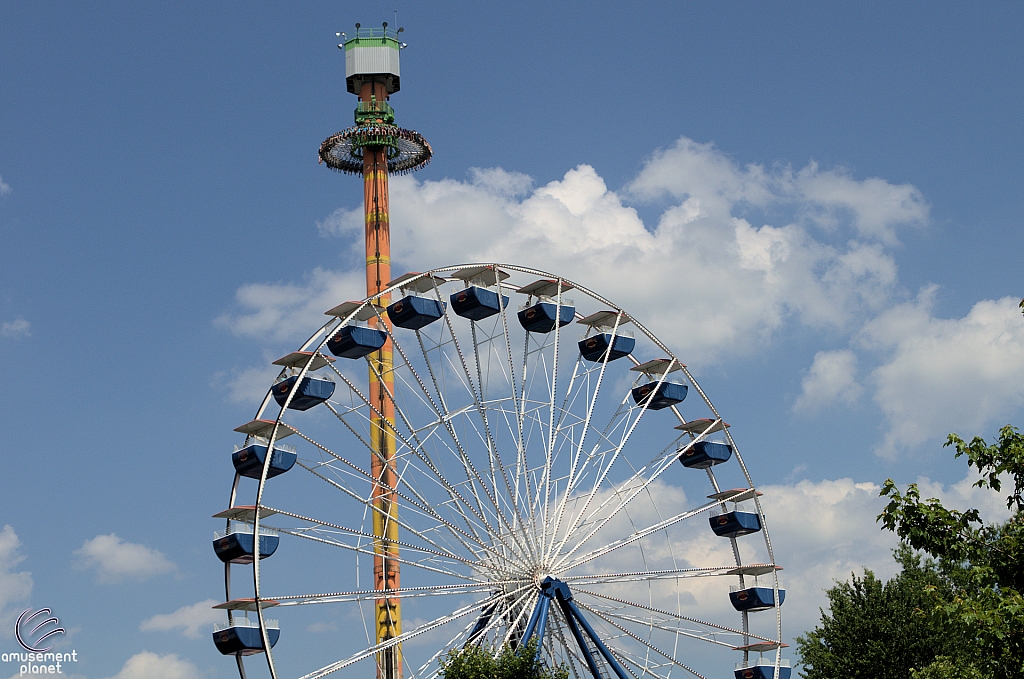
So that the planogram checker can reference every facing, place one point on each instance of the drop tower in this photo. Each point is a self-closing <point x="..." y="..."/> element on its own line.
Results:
<point x="377" y="148"/>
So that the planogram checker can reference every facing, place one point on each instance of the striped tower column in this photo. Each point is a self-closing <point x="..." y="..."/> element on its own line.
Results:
<point x="382" y="463"/>
<point x="375" y="148"/>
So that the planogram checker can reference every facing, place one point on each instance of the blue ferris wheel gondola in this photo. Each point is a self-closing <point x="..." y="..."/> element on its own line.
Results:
<point x="243" y="638"/>
<point x="238" y="547"/>
<point x="754" y="599"/>
<point x="735" y="524"/>
<point x="312" y="391"/>
<point x="413" y="313"/>
<point x="355" y="341"/>
<point x="477" y="303"/>
<point x="704" y="454"/>
<point x="248" y="461"/>
<point x="542" y="317"/>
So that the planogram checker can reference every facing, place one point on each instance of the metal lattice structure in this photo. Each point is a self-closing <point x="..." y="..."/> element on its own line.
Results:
<point x="548" y="483"/>
<point x="520" y="477"/>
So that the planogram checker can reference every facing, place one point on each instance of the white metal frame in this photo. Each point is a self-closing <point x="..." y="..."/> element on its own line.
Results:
<point x="508" y="519"/>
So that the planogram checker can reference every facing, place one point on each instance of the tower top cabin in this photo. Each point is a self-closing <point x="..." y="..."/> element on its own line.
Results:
<point x="371" y="57"/>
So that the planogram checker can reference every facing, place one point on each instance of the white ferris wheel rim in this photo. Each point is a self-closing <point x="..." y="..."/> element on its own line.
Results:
<point x="512" y="589"/>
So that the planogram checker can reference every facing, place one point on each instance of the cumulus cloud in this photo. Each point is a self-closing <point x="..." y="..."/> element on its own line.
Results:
<point x="19" y="327"/>
<point x="275" y="312"/>
<point x="5" y="188"/>
<point x="944" y="375"/>
<point x="247" y="385"/>
<point x="192" y="620"/>
<point x="703" y="265"/>
<point x="823" y="531"/>
<point x="147" y="665"/>
<point x="15" y="586"/>
<point x="873" y="207"/>
<point x="115" y="559"/>
<point x="832" y="377"/>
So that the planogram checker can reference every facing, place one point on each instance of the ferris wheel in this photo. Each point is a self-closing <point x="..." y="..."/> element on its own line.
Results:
<point x="529" y="468"/>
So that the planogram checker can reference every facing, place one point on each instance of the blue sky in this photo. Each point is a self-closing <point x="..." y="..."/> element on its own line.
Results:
<point x="818" y="206"/>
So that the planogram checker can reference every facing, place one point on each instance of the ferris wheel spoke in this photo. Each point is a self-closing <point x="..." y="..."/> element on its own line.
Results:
<point x="675" y="616"/>
<point x="549" y="449"/>
<point x="370" y="506"/>
<point x="449" y="645"/>
<point x="317" y="525"/>
<point x="640" y="576"/>
<point x="630" y="493"/>
<point x="418" y="451"/>
<point x="401" y="593"/>
<point x="394" y="641"/>
<point x="669" y="660"/>
<point x="419" y="505"/>
<point x="629" y="657"/>
<point x="578" y="452"/>
<point x="468" y="466"/>
<point x="478" y="510"/>
<point x="307" y="535"/>
<point x="517" y="618"/>
<point x="625" y="655"/>
<point x="493" y="454"/>
<point x="444" y="416"/>
<point x="661" y="462"/>
<point x="457" y="509"/>
<point x="633" y="537"/>
<point x="602" y="474"/>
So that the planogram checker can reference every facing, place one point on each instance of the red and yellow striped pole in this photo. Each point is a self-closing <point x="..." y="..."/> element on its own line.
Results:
<point x="376" y="147"/>
<point x="388" y="612"/>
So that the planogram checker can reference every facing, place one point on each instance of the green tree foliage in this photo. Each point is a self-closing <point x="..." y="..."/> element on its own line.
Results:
<point x="945" y="667"/>
<point x="957" y="614"/>
<point x="982" y="564"/>
<point x="476" y="662"/>
<point x="875" y="629"/>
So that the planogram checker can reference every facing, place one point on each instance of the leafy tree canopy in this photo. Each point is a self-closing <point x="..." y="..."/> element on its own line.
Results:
<point x="876" y="630"/>
<point x="956" y="613"/>
<point x="982" y="563"/>
<point x="477" y="662"/>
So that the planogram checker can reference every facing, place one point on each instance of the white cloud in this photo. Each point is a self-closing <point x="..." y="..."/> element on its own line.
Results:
<point x="701" y="264"/>
<point x="826" y="198"/>
<point x="832" y="377"/>
<point x="147" y="665"/>
<point x="193" y="620"/>
<point x="876" y="207"/>
<point x="248" y="385"/>
<point x="822" y="532"/>
<point x="15" y="586"/>
<point x="19" y="327"/>
<point x="5" y="188"/>
<point x="275" y="312"/>
<point x="945" y="375"/>
<point x="116" y="560"/>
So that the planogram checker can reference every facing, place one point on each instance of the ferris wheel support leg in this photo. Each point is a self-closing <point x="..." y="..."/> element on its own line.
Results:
<point x="538" y="620"/>
<point x="573" y="616"/>
<point x="478" y="629"/>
